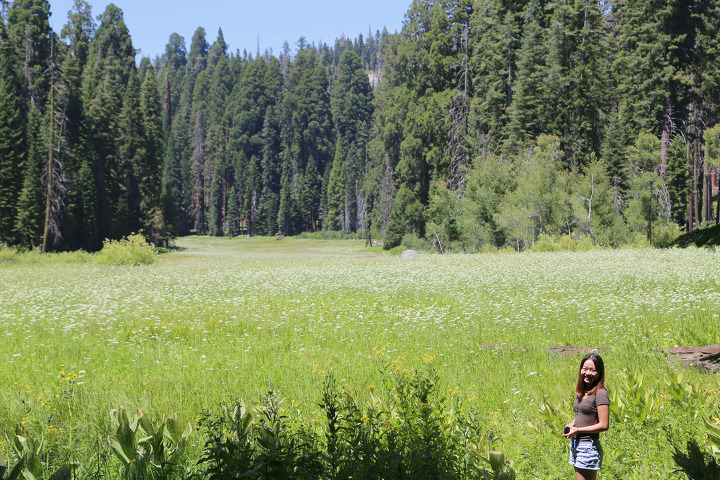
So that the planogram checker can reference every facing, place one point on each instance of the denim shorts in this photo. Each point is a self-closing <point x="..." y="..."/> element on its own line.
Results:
<point x="586" y="454"/>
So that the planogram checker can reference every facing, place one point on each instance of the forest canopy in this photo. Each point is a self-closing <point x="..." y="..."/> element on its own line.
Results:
<point x="482" y="124"/>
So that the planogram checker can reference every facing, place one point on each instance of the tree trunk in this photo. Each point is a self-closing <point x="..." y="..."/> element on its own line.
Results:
<point x="168" y="100"/>
<point x="695" y="186"/>
<point x="665" y="138"/>
<point x="707" y="194"/>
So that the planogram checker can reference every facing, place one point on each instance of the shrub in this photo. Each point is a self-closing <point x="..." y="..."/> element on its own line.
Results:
<point x="397" y="250"/>
<point x="546" y="243"/>
<point x="332" y="235"/>
<point x="412" y="432"/>
<point x="7" y="254"/>
<point x="665" y="236"/>
<point x="412" y="242"/>
<point x="701" y="237"/>
<point x="133" y="250"/>
<point x="696" y="464"/>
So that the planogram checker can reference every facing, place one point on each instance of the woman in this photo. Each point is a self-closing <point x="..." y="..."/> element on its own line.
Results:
<point x="592" y="416"/>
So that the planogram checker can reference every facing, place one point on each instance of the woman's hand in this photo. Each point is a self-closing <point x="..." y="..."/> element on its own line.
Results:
<point x="569" y="431"/>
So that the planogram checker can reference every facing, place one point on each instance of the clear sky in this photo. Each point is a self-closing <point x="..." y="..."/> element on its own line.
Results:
<point x="242" y="21"/>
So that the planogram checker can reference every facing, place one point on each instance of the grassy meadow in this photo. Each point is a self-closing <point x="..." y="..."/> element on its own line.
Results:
<point x="221" y="319"/>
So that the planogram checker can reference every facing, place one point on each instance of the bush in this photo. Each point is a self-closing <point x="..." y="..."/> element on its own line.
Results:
<point x="31" y="257"/>
<point x="7" y="254"/>
<point x="133" y="250"/>
<point x="696" y="464"/>
<point x="701" y="237"/>
<point x="546" y="243"/>
<point x="412" y="242"/>
<point x="413" y="431"/>
<point x="332" y="235"/>
<point x="665" y="236"/>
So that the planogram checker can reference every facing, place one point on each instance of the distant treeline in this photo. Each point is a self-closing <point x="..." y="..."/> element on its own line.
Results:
<point x="483" y="123"/>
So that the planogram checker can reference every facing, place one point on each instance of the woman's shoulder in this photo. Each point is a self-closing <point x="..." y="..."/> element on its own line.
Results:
<point x="602" y="397"/>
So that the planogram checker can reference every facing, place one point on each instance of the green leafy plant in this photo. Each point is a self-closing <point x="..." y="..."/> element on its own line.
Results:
<point x="413" y="433"/>
<point x="696" y="464"/>
<point x="501" y="470"/>
<point x="713" y="432"/>
<point x="30" y="464"/>
<point x="632" y="401"/>
<point x="553" y="417"/>
<point x="682" y="393"/>
<point x="148" y="450"/>
<point x="133" y="250"/>
<point x="7" y="254"/>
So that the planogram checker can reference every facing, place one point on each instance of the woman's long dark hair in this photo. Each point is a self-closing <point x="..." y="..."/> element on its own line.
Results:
<point x="599" y="383"/>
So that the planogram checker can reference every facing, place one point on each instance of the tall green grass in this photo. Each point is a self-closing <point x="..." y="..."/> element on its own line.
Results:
<point x="219" y="319"/>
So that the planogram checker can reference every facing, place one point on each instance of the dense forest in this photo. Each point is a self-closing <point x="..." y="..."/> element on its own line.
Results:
<point x="483" y="123"/>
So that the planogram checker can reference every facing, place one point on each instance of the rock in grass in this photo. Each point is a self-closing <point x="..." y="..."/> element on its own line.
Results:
<point x="408" y="254"/>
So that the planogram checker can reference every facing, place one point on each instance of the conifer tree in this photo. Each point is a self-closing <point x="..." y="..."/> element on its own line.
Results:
<point x="12" y="138"/>
<point x="528" y="114"/>
<point x="576" y="81"/>
<point x="111" y="63"/>
<point x="29" y="31"/>
<point x="78" y="32"/>
<point x="351" y="104"/>
<point x="30" y="211"/>
<point x="150" y="168"/>
<point x="131" y="154"/>
<point x="497" y="32"/>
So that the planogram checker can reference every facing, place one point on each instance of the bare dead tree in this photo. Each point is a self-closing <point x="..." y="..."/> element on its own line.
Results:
<point x="387" y="187"/>
<point x="198" y="168"/>
<point x="589" y="201"/>
<point x="457" y="148"/>
<point x="54" y="176"/>
<point x="361" y="202"/>
<point x="168" y="100"/>
<point x="253" y="213"/>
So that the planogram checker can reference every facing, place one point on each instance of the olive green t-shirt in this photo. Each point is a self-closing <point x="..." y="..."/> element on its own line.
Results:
<point x="586" y="413"/>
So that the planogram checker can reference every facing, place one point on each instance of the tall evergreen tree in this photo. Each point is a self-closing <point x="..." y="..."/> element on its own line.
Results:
<point x="528" y="111"/>
<point x="351" y="105"/>
<point x="576" y="81"/>
<point x="497" y="32"/>
<point x="29" y="31"/>
<point x="30" y="211"/>
<point x="12" y="138"/>
<point x="111" y="63"/>
<point x="150" y="167"/>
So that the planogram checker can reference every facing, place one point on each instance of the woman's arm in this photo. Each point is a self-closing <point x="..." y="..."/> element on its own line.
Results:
<point x="602" y="425"/>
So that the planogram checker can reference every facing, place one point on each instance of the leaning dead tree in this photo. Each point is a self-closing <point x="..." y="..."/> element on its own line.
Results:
<point x="457" y="148"/>
<point x="54" y="177"/>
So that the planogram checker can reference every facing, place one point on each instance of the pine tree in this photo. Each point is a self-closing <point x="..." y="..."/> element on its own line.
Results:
<point x="656" y="46"/>
<point x="497" y="31"/>
<point x="12" y="138"/>
<point x="351" y="104"/>
<point x="111" y="63"/>
<point x="150" y="168"/>
<point x="29" y="31"/>
<point x="54" y="172"/>
<point x="131" y="153"/>
<point x="307" y="134"/>
<point x="78" y="32"/>
<point x="528" y="114"/>
<point x="576" y="80"/>
<point x="30" y="211"/>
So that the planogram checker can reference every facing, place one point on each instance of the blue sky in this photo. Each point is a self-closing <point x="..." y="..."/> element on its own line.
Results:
<point x="152" y="21"/>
